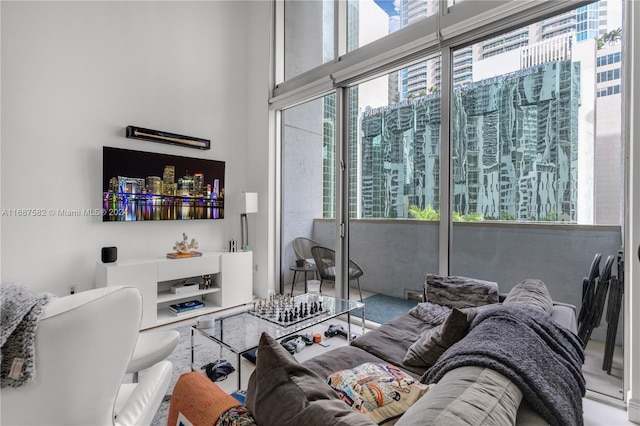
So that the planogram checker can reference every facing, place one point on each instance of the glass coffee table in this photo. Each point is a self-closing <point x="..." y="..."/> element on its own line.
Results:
<point x="240" y="332"/>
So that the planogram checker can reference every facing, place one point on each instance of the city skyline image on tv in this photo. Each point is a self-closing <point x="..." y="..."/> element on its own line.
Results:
<point x="142" y="186"/>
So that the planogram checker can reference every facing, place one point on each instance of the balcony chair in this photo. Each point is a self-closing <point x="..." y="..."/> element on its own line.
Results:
<point x="83" y="346"/>
<point x="614" y="306"/>
<point x="588" y="288"/>
<point x="302" y="249"/>
<point x="325" y="260"/>
<point x="594" y="315"/>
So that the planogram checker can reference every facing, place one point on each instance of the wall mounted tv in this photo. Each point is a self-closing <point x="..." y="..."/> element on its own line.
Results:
<point x="141" y="186"/>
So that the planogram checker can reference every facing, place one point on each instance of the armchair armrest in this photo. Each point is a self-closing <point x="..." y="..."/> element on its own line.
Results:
<point x="137" y="403"/>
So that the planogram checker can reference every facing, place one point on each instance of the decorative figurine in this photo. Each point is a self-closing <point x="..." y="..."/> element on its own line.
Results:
<point x="184" y="246"/>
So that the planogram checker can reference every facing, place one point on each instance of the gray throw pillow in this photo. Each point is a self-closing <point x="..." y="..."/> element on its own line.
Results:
<point x="459" y="292"/>
<point x="433" y="342"/>
<point x="282" y="392"/>
<point x="531" y="292"/>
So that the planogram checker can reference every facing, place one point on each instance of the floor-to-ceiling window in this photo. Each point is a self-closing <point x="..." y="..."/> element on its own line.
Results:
<point x="308" y="155"/>
<point x="536" y="154"/>
<point x="394" y="149"/>
<point x="532" y="172"/>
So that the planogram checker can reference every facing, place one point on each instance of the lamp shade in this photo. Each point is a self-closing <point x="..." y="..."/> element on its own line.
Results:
<point x="249" y="202"/>
<point x="243" y="202"/>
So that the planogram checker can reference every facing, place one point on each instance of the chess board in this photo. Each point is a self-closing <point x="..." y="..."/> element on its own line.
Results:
<point x="287" y="311"/>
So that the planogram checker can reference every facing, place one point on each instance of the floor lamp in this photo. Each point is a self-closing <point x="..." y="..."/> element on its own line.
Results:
<point x="248" y="204"/>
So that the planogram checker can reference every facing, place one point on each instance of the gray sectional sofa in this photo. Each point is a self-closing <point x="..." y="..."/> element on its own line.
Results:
<point x="487" y="359"/>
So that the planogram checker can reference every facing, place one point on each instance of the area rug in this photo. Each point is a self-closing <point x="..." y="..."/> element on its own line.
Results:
<point x="381" y="308"/>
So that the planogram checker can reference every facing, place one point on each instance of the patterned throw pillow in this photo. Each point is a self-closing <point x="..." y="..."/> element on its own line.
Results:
<point x="236" y="416"/>
<point x="382" y="391"/>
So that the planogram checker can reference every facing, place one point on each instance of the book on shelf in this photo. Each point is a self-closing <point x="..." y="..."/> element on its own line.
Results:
<point x="184" y="255"/>
<point x="191" y="305"/>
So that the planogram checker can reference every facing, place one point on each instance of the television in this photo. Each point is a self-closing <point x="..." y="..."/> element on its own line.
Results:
<point x="142" y="186"/>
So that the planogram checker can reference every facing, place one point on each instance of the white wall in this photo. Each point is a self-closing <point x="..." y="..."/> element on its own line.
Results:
<point x="260" y="157"/>
<point x="74" y="74"/>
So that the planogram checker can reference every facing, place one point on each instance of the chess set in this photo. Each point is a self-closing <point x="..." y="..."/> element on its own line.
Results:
<point x="285" y="310"/>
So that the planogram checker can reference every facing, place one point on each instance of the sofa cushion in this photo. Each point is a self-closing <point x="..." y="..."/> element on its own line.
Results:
<point x="342" y="358"/>
<point x="531" y="292"/>
<point x="430" y="313"/>
<point x="382" y="391"/>
<point x="459" y="292"/>
<point x="390" y="341"/>
<point x="467" y="396"/>
<point x="428" y="348"/>
<point x="283" y="392"/>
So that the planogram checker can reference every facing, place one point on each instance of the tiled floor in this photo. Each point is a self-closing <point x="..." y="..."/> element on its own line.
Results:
<point x="600" y="414"/>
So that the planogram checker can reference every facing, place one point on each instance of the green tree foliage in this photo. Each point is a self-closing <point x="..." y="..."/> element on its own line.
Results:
<point x="612" y="37"/>
<point x="428" y="213"/>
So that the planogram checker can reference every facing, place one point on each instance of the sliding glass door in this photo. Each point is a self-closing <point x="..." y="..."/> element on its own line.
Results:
<point x="394" y="194"/>
<point x="536" y="164"/>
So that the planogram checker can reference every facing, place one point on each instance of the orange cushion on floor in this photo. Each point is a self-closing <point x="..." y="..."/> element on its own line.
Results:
<point x="199" y="400"/>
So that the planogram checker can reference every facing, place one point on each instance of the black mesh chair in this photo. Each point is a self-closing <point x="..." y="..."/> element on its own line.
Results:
<point x="614" y="306"/>
<point x="325" y="259"/>
<point x="594" y="315"/>
<point x="589" y="288"/>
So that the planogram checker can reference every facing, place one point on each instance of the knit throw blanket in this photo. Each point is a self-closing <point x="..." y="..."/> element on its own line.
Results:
<point x="524" y="344"/>
<point x="20" y="312"/>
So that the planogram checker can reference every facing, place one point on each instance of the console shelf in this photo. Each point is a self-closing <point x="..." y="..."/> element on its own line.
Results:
<point x="231" y="278"/>
<point x="167" y="296"/>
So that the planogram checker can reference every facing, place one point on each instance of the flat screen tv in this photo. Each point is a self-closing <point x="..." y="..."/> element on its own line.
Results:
<point x="141" y="186"/>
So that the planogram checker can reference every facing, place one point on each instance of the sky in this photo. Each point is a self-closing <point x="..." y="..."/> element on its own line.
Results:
<point x="387" y="6"/>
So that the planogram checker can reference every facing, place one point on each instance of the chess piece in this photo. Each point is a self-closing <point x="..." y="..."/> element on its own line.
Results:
<point x="320" y="307"/>
<point x="280" y="317"/>
<point x="286" y="316"/>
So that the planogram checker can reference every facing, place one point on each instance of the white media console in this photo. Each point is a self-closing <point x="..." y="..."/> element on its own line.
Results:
<point x="231" y="278"/>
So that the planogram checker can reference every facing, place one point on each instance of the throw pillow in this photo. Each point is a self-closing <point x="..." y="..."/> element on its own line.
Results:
<point x="281" y="392"/>
<point x="432" y="343"/>
<point x="197" y="400"/>
<point x="430" y="312"/>
<point x="381" y="391"/>
<point x="459" y="292"/>
<point x="236" y="416"/>
<point x="531" y="292"/>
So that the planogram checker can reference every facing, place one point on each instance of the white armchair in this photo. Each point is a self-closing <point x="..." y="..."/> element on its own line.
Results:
<point x="83" y="346"/>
